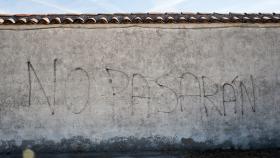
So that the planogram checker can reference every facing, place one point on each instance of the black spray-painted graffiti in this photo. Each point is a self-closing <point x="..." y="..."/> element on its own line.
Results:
<point x="202" y="88"/>
<point x="30" y="69"/>
<point x="85" y="73"/>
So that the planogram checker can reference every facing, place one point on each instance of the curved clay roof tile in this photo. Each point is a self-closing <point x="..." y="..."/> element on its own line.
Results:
<point x="1" y="21"/>
<point x="55" y="21"/>
<point x="67" y="21"/>
<point x="126" y="19"/>
<point x="256" y="19"/>
<point x="225" y="19"/>
<point x="33" y="21"/>
<point x="44" y="21"/>
<point x="22" y="21"/>
<point x="90" y="21"/>
<point x="192" y="19"/>
<point x="246" y="18"/>
<point x="203" y="19"/>
<point x="159" y="19"/>
<point x="276" y="17"/>
<point x="78" y="20"/>
<point x="9" y="21"/>
<point x="148" y="20"/>
<point x="182" y="19"/>
<point x="114" y="20"/>
<point x="214" y="18"/>
<point x="266" y="18"/>
<point x="137" y="20"/>
<point x="102" y="20"/>
<point x="235" y="19"/>
<point x="170" y="19"/>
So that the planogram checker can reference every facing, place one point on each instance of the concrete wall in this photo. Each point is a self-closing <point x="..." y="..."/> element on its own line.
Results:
<point x="145" y="87"/>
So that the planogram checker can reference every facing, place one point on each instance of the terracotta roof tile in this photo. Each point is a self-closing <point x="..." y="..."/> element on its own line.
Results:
<point x="44" y="20"/>
<point x="78" y="20"/>
<point x="90" y="21"/>
<point x="123" y="18"/>
<point x="1" y="20"/>
<point x="114" y="20"/>
<point x="55" y="20"/>
<point x="33" y="21"/>
<point x="148" y="20"/>
<point x="102" y="20"/>
<point x="137" y="20"/>
<point x="9" y="20"/>
<point x="22" y="21"/>
<point x="182" y="19"/>
<point x="126" y="20"/>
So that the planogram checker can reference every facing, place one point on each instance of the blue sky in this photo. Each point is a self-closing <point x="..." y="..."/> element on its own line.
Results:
<point x="113" y="6"/>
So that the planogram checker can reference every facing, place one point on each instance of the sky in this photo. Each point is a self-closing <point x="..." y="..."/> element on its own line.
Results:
<point x="136" y="6"/>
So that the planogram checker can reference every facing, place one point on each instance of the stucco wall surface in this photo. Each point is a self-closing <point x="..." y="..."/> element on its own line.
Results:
<point x="139" y="88"/>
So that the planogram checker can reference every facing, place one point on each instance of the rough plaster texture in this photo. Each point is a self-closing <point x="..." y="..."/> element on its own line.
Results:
<point x="112" y="89"/>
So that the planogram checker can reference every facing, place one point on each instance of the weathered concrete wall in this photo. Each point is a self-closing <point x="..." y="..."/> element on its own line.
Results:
<point x="136" y="88"/>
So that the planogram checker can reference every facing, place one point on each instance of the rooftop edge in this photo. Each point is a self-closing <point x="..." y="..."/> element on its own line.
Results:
<point x="130" y="18"/>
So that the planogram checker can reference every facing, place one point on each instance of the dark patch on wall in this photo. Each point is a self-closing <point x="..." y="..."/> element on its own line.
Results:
<point x="125" y="144"/>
